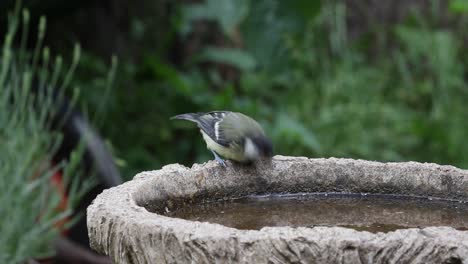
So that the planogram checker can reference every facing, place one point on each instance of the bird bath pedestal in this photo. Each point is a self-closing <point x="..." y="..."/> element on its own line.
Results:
<point x="129" y="222"/>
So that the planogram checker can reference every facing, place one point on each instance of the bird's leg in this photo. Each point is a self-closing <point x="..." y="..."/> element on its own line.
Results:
<point x="218" y="158"/>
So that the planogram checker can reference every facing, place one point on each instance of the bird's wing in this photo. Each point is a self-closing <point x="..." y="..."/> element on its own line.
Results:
<point x="224" y="127"/>
<point x="210" y="124"/>
<point x="235" y="126"/>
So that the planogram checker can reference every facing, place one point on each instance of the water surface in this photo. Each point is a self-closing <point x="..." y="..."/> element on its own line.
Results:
<point x="361" y="212"/>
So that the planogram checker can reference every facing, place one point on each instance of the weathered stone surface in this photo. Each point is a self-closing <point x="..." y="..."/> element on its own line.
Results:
<point x="120" y="226"/>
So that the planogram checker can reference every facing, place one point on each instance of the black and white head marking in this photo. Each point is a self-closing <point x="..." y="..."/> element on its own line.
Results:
<point x="256" y="147"/>
<point x="251" y="150"/>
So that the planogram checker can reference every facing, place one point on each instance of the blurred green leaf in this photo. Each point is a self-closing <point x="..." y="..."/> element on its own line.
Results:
<point x="458" y="6"/>
<point x="228" y="13"/>
<point x="291" y="130"/>
<point x="304" y="8"/>
<point x="235" y="57"/>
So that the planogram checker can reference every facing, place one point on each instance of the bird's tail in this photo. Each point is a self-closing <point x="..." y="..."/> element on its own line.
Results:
<point x="194" y="117"/>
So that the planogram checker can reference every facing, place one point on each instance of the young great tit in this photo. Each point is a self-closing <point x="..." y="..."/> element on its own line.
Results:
<point x="231" y="135"/>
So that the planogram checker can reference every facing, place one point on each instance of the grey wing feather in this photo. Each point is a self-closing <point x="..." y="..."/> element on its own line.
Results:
<point x="208" y="122"/>
<point x="190" y="116"/>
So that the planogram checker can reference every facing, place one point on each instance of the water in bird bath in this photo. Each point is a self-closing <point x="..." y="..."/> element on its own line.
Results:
<point x="373" y="213"/>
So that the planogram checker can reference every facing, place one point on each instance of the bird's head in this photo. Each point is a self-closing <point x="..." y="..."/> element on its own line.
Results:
<point x="256" y="147"/>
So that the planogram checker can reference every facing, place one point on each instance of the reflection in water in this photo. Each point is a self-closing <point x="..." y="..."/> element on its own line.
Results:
<point x="369" y="213"/>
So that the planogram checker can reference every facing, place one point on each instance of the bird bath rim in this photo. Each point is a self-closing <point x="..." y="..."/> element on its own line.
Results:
<point x="120" y="210"/>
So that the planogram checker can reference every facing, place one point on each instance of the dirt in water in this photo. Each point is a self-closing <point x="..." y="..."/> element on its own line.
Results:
<point x="373" y="213"/>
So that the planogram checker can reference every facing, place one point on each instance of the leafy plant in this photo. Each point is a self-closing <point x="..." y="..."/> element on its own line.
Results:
<point x="327" y="96"/>
<point x="32" y="214"/>
<point x="392" y="93"/>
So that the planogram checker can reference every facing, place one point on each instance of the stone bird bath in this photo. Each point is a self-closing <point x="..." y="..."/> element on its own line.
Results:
<point x="122" y="223"/>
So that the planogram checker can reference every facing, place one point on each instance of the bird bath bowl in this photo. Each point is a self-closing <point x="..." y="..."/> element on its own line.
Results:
<point x="287" y="210"/>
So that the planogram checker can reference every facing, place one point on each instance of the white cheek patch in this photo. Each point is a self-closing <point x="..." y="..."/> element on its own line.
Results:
<point x="250" y="150"/>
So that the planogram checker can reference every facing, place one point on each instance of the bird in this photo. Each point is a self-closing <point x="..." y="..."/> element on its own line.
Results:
<point x="231" y="135"/>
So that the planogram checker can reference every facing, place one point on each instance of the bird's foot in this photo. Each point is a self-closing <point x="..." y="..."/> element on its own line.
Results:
<point x="219" y="159"/>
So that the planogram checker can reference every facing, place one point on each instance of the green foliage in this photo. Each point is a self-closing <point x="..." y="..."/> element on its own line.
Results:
<point x="234" y="57"/>
<point x="317" y="92"/>
<point x="227" y="13"/>
<point x="29" y="202"/>
<point x="459" y="6"/>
